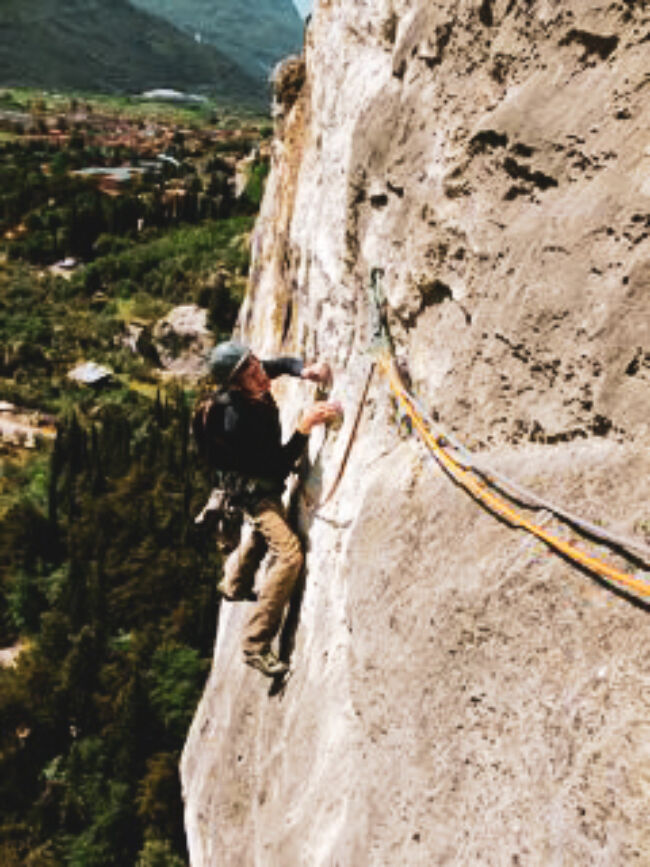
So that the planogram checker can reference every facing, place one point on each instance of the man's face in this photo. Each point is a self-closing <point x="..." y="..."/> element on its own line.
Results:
<point x="252" y="378"/>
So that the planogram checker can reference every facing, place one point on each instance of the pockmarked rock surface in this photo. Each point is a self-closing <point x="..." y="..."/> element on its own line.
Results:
<point x="460" y="694"/>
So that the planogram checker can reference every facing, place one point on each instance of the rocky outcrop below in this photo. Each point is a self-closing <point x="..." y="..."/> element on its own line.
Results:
<point x="460" y="694"/>
<point x="181" y="341"/>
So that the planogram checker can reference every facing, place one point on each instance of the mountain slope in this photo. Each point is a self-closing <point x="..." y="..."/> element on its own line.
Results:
<point x="110" y="46"/>
<point x="255" y="35"/>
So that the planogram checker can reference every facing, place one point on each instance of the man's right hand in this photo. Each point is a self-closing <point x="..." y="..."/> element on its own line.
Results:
<point x="321" y="412"/>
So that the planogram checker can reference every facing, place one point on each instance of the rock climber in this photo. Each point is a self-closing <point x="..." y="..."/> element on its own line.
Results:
<point x="240" y="428"/>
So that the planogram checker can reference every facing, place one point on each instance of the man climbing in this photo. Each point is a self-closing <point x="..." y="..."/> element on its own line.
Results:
<point x="239" y="430"/>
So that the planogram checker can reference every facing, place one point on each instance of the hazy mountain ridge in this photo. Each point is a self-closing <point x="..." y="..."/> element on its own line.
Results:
<point x="97" y="45"/>
<point x="255" y="35"/>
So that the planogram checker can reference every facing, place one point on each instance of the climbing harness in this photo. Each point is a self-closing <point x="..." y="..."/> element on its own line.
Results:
<point x="461" y="466"/>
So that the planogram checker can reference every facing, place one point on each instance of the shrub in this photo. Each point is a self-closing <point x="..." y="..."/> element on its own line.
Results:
<point x="177" y="674"/>
<point x="254" y="189"/>
<point x="158" y="853"/>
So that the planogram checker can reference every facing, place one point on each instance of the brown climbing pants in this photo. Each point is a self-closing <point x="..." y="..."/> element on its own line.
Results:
<point x="271" y="533"/>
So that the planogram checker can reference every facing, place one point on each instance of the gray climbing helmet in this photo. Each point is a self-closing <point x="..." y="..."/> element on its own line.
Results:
<point x="226" y="359"/>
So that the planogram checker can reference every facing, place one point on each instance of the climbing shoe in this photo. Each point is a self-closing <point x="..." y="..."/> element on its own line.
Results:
<point x="266" y="662"/>
<point x="251" y="596"/>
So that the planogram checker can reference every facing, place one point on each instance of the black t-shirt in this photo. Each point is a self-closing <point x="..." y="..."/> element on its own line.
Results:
<point x="244" y="435"/>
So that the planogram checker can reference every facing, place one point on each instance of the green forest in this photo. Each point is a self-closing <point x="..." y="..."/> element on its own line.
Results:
<point x="104" y="573"/>
<point x="105" y="580"/>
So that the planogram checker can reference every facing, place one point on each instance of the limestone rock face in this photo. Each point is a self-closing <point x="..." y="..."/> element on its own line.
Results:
<point x="460" y="694"/>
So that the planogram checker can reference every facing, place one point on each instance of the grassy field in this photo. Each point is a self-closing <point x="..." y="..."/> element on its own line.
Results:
<point x="211" y="112"/>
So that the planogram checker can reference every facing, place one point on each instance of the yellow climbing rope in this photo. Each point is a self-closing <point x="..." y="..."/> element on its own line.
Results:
<point x="493" y="503"/>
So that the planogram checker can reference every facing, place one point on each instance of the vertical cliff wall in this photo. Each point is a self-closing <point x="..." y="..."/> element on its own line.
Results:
<point x="460" y="694"/>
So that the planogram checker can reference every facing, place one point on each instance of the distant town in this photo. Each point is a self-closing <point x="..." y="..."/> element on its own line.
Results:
<point x="120" y="151"/>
